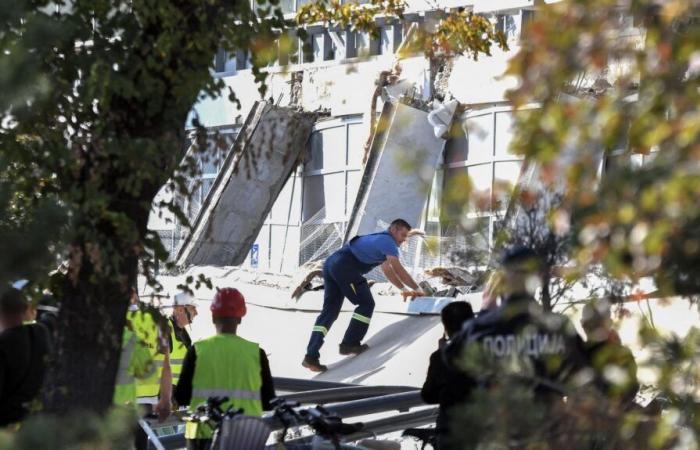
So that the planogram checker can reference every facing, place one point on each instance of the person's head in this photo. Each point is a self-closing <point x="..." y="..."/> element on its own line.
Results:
<point x="521" y="269"/>
<point x="399" y="229"/>
<point x="13" y="308"/>
<point x="227" y="309"/>
<point x="184" y="309"/>
<point x="454" y="315"/>
<point x="596" y="320"/>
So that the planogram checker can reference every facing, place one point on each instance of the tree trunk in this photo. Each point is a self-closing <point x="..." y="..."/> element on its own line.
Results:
<point x="546" y="294"/>
<point x="94" y="298"/>
<point x="87" y="347"/>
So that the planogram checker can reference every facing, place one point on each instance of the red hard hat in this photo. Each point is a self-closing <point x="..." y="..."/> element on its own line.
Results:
<point x="228" y="302"/>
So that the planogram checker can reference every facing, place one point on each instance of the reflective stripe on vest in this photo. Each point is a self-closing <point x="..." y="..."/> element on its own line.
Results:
<point x="227" y="365"/>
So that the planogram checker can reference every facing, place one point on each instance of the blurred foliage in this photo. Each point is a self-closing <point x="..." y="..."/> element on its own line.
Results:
<point x="457" y="32"/>
<point x="607" y="115"/>
<point x="630" y="94"/>
<point x="74" y="432"/>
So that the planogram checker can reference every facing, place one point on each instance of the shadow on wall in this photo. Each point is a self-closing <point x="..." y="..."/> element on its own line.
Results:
<point x="383" y="347"/>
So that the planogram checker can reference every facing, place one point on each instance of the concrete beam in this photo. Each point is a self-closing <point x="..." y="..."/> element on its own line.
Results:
<point x="263" y="157"/>
<point x="399" y="171"/>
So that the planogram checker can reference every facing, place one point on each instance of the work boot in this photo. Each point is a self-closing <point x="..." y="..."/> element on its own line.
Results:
<point x="347" y="349"/>
<point x="313" y="364"/>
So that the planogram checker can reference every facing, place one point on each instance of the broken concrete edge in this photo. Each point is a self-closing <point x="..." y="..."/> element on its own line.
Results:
<point x="198" y="248"/>
<point x="270" y="290"/>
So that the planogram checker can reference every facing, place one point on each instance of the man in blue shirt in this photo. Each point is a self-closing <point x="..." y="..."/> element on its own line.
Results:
<point x="343" y="276"/>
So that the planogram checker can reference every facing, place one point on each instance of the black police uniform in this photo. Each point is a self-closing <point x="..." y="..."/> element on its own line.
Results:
<point x="547" y="342"/>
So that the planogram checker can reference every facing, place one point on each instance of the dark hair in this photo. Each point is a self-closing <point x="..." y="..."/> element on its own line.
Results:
<point x="454" y="315"/>
<point x="227" y="321"/>
<point x="401" y="224"/>
<point x="518" y="254"/>
<point x="13" y="303"/>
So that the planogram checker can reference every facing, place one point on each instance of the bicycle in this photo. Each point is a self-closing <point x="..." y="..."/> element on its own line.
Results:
<point x="427" y="436"/>
<point x="326" y="426"/>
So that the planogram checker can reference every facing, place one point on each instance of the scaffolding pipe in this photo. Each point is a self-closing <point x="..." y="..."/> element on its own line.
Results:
<point x="299" y="385"/>
<point x="386" y="425"/>
<point x="392" y="402"/>
<point x="384" y="403"/>
<point x="343" y="394"/>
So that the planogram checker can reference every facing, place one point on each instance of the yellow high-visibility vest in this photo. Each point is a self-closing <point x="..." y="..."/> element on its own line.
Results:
<point x="146" y="330"/>
<point x="177" y="355"/>
<point x="227" y="365"/>
<point x="135" y="362"/>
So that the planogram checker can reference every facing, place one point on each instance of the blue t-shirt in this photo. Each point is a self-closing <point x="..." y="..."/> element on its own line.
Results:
<point x="374" y="248"/>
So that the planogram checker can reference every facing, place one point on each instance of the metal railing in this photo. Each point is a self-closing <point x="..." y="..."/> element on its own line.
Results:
<point x="346" y="401"/>
<point x="344" y="394"/>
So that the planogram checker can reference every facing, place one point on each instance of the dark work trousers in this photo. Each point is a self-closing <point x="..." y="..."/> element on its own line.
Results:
<point x="343" y="278"/>
<point x="198" y="444"/>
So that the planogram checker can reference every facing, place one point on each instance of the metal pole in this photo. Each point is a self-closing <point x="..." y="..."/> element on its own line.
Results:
<point x="289" y="216"/>
<point x="392" y="402"/>
<point x="384" y="426"/>
<point x="297" y="385"/>
<point x="345" y="393"/>
<point x="152" y="437"/>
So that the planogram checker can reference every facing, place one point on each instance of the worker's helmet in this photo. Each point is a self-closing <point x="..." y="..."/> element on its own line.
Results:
<point x="228" y="302"/>
<point x="184" y="299"/>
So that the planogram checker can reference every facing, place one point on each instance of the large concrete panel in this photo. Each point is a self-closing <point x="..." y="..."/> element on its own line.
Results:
<point x="265" y="153"/>
<point x="399" y="171"/>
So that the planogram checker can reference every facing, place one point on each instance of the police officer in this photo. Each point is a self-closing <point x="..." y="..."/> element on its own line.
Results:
<point x="225" y="365"/>
<point x="343" y="277"/>
<point x="546" y="346"/>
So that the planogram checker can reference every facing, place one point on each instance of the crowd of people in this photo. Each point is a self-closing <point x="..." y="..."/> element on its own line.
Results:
<point x="161" y="369"/>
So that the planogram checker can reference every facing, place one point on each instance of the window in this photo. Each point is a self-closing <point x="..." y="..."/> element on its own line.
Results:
<point x="477" y="156"/>
<point x="330" y="182"/>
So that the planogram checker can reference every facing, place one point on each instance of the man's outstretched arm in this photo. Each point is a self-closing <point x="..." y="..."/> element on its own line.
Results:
<point x="402" y="274"/>
<point x="391" y="275"/>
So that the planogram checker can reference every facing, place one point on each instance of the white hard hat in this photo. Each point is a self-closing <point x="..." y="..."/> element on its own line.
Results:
<point x="20" y="284"/>
<point x="184" y="299"/>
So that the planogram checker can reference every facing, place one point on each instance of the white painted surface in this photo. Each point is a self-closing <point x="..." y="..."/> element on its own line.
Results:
<point x="483" y="80"/>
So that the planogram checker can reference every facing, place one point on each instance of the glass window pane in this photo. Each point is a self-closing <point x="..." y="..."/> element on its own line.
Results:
<point x="480" y="178"/>
<point x="313" y="196"/>
<point x="325" y="191"/>
<point x="504" y="132"/>
<point x="334" y="191"/>
<point x="480" y="136"/>
<point x="354" y="178"/>
<point x="328" y="149"/>
<point x="356" y="144"/>
<point x="505" y="179"/>
<point x="455" y="194"/>
<point x="456" y="148"/>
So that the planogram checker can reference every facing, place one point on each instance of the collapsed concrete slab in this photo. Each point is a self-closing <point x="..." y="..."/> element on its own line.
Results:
<point x="270" y="145"/>
<point x="400" y="168"/>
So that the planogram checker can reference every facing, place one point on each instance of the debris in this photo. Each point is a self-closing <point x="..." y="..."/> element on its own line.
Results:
<point x="301" y="281"/>
<point x="451" y="276"/>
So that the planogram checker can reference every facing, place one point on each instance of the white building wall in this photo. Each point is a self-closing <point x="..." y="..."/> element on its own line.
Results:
<point x="342" y="84"/>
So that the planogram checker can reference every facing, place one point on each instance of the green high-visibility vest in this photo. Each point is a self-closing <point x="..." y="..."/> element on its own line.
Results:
<point x="177" y="355"/>
<point x="227" y="365"/>
<point x="135" y="362"/>
<point x="146" y="331"/>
